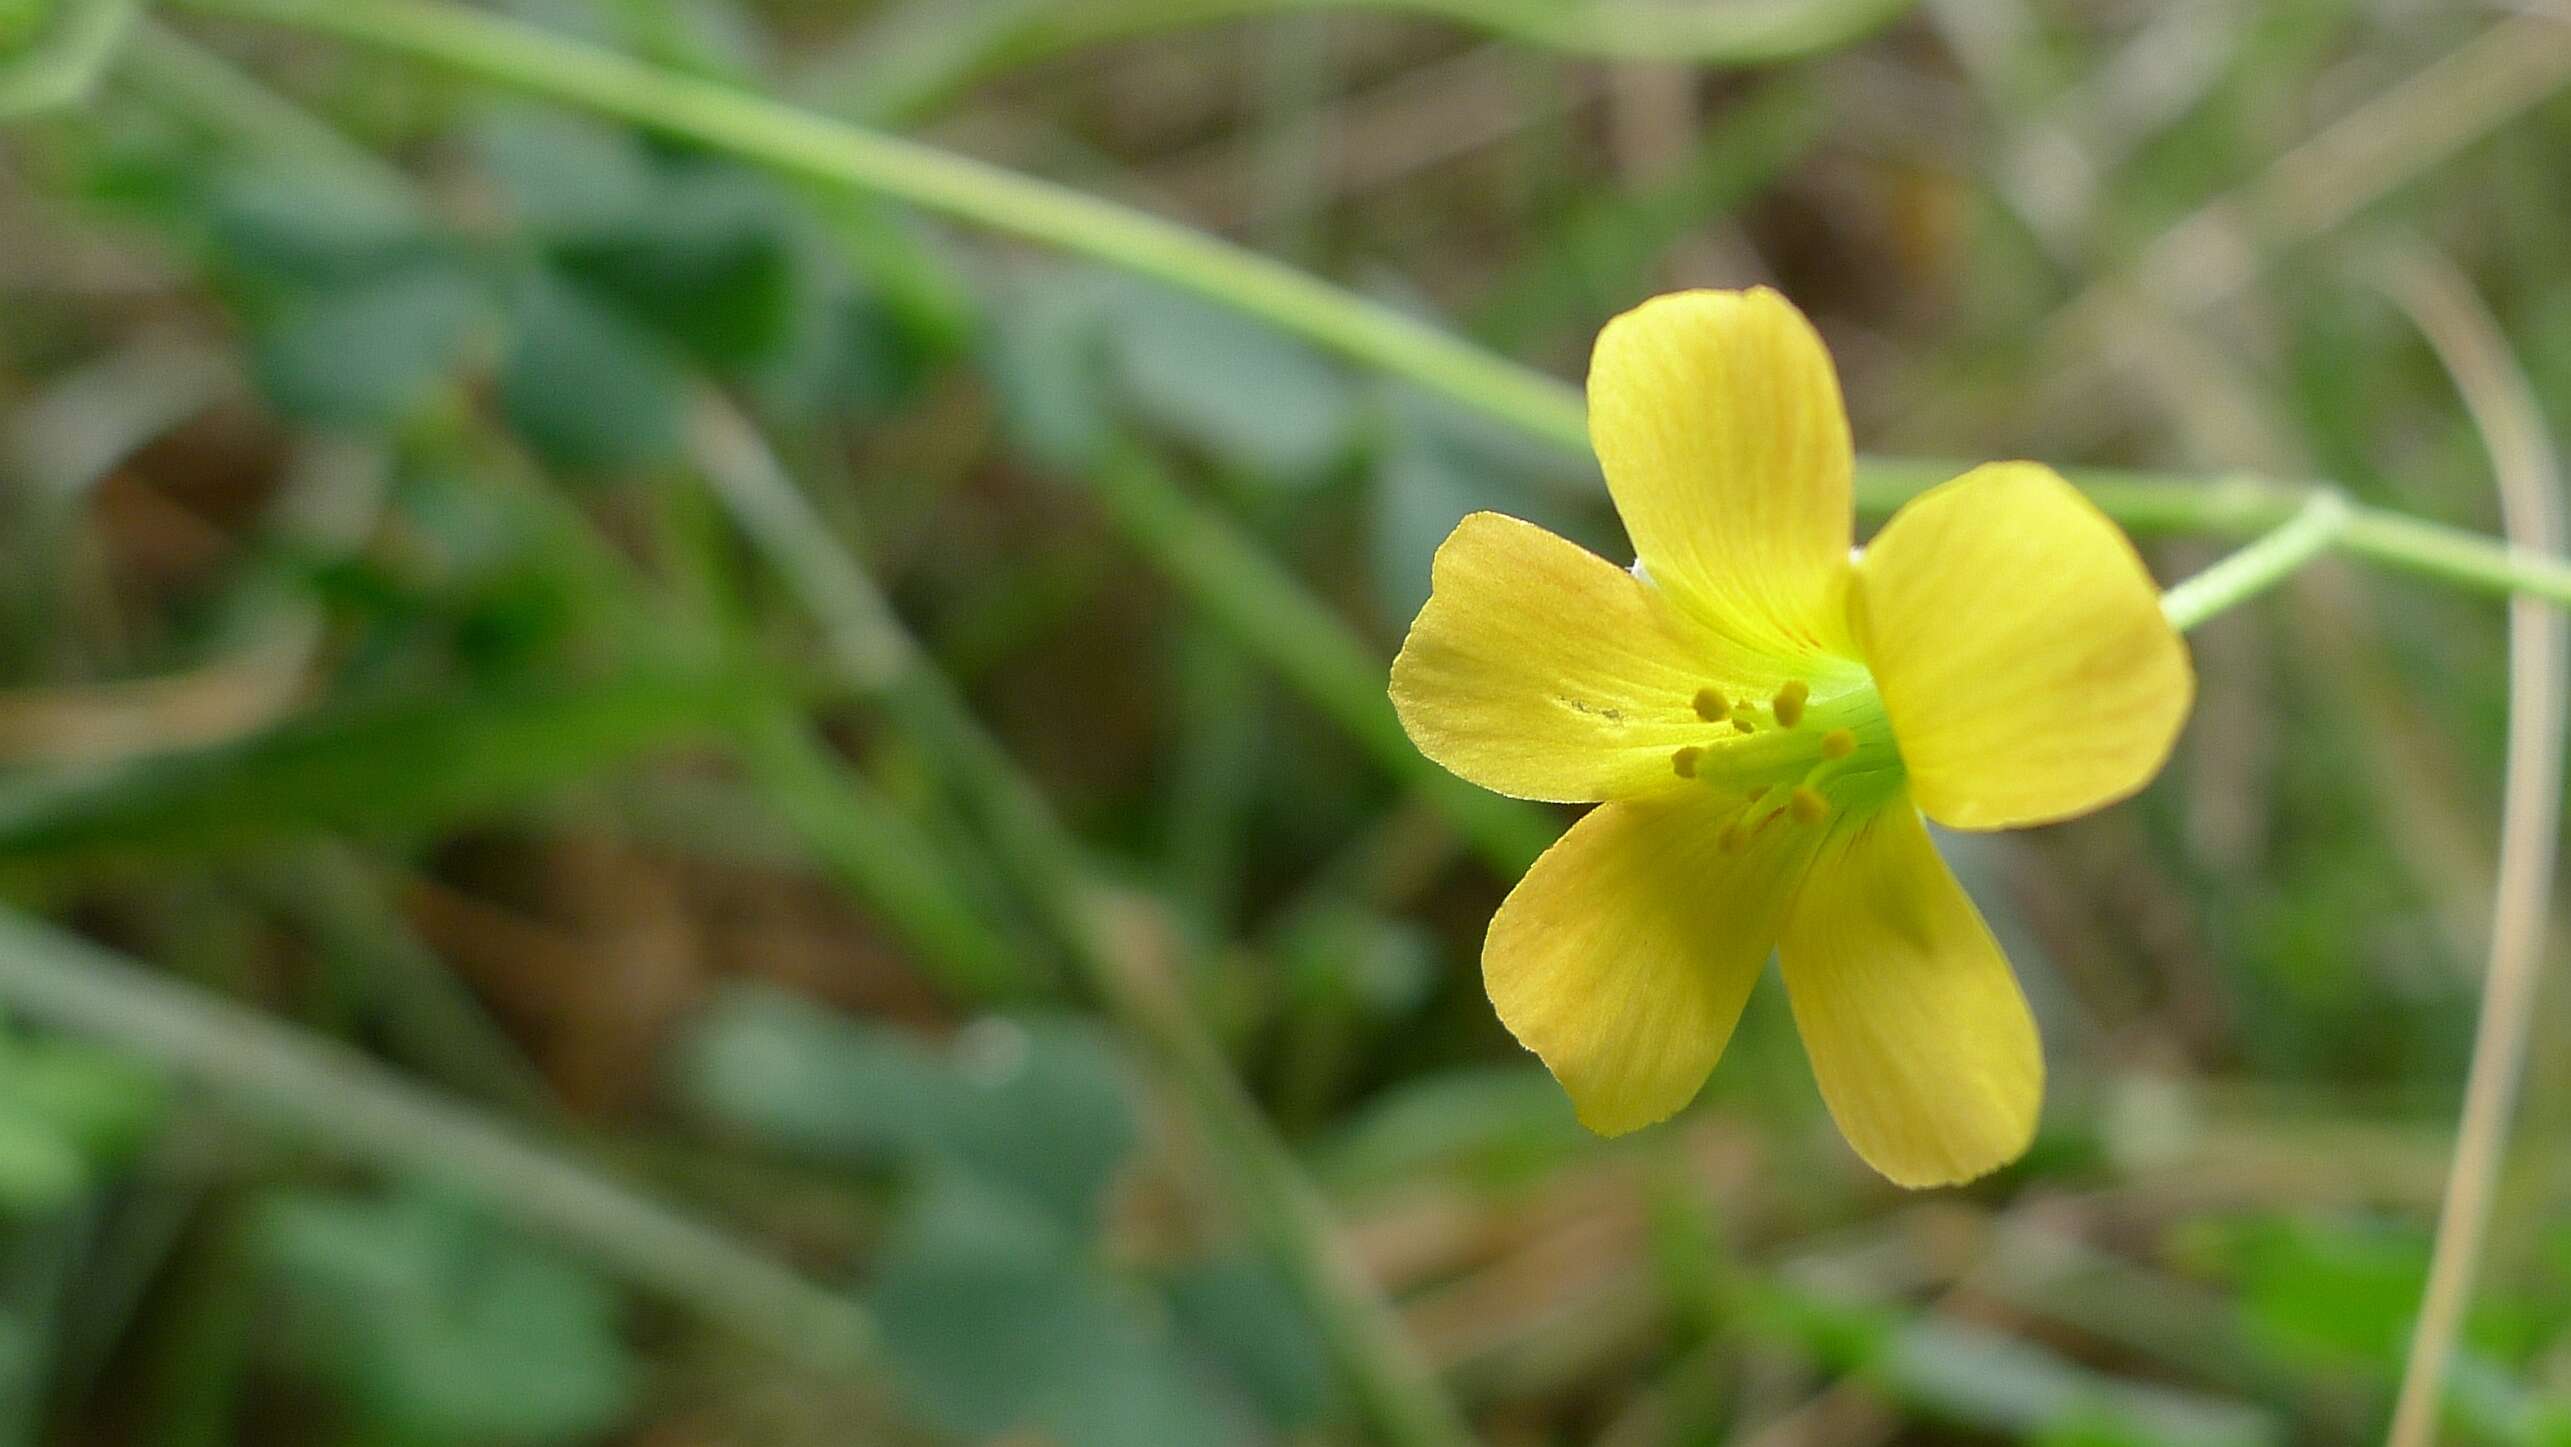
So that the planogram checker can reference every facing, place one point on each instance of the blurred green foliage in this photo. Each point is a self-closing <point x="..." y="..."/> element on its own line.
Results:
<point x="358" y="503"/>
<point x="439" y="1328"/>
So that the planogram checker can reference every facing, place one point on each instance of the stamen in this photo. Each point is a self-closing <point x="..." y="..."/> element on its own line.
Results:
<point x="1743" y="725"/>
<point x="1788" y="706"/>
<point x="1807" y="806"/>
<point x="1765" y="806"/>
<point x="1838" y="744"/>
<point x="1735" y="835"/>
<point x="1710" y="706"/>
<point x="1684" y="761"/>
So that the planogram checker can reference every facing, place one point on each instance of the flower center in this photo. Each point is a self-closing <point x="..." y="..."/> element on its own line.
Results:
<point x="1815" y="748"/>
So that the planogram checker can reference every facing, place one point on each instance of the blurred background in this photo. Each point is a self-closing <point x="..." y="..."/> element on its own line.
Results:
<point x="643" y="802"/>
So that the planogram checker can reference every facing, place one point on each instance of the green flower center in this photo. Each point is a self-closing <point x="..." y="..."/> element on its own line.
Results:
<point x="1818" y="747"/>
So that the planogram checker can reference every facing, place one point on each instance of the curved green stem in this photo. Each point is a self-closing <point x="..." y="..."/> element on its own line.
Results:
<point x="2260" y="566"/>
<point x="2503" y="404"/>
<point x="1730" y="32"/>
<point x="1679" y="32"/>
<point x="721" y="117"/>
<point x="508" y="53"/>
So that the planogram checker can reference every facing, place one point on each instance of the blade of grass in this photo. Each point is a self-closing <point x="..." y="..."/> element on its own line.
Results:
<point x="1739" y="32"/>
<point x="864" y="840"/>
<point x="430" y="1018"/>
<point x="1733" y="33"/>
<point x="277" y="1077"/>
<point x="2393" y="137"/>
<point x="393" y="766"/>
<point x="2469" y="342"/>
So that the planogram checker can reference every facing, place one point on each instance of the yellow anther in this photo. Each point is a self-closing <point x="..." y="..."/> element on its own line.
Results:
<point x="1710" y="706"/>
<point x="1807" y="806"/>
<point x="1684" y="761"/>
<point x="1788" y="706"/>
<point x="1742" y="725"/>
<point x="1838" y="744"/>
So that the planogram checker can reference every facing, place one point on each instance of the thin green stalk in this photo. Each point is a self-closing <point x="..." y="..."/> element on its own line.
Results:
<point x="509" y="53"/>
<point x="2505" y="410"/>
<point x="278" y="1077"/>
<point x="2260" y="566"/>
<point x="1729" y="33"/>
<point x="1733" y="32"/>
<point x="1397" y="1388"/>
<point x="505" y="52"/>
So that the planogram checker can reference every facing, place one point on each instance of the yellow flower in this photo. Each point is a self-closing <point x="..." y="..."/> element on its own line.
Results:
<point x="1766" y="717"/>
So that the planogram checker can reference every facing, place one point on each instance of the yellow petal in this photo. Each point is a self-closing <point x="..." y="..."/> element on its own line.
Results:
<point x="2020" y="648"/>
<point x="1541" y="670"/>
<point x="1623" y="957"/>
<point x="1717" y="419"/>
<point x="1918" y="1034"/>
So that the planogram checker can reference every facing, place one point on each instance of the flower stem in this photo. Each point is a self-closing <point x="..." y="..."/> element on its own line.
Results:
<point x="2322" y="522"/>
<point x="2511" y="421"/>
<point x="724" y="118"/>
<point x="1733" y="33"/>
<point x="507" y="52"/>
<point x="1739" y="32"/>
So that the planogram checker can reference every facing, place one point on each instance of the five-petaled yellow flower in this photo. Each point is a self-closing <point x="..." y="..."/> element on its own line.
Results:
<point x="1765" y="717"/>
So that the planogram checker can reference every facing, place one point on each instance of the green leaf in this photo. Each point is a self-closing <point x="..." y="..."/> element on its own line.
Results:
<point x="1956" y="1372"/>
<point x="1441" y="464"/>
<point x="1495" y="1120"/>
<point x="40" y="1171"/>
<point x="815" y="1084"/>
<point x="567" y="178"/>
<point x="1048" y="361"/>
<point x="21" y="21"/>
<point x="848" y="352"/>
<point x="1982" y="1378"/>
<point x="1342" y="955"/>
<point x="443" y="1327"/>
<point x="709" y="264"/>
<point x="22" y="1360"/>
<point x="52" y="54"/>
<point x="390" y="766"/>
<point x="1421" y="492"/>
<point x="312" y="226"/>
<point x="67" y="1109"/>
<point x="103" y="1104"/>
<point x="2329" y="1291"/>
<point x="1245" y="392"/>
<point x="998" y="1326"/>
<point x="1038" y="1109"/>
<point x="909" y="266"/>
<point x="587" y="386"/>
<point x="1242" y="1314"/>
<point x="370" y="349"/>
